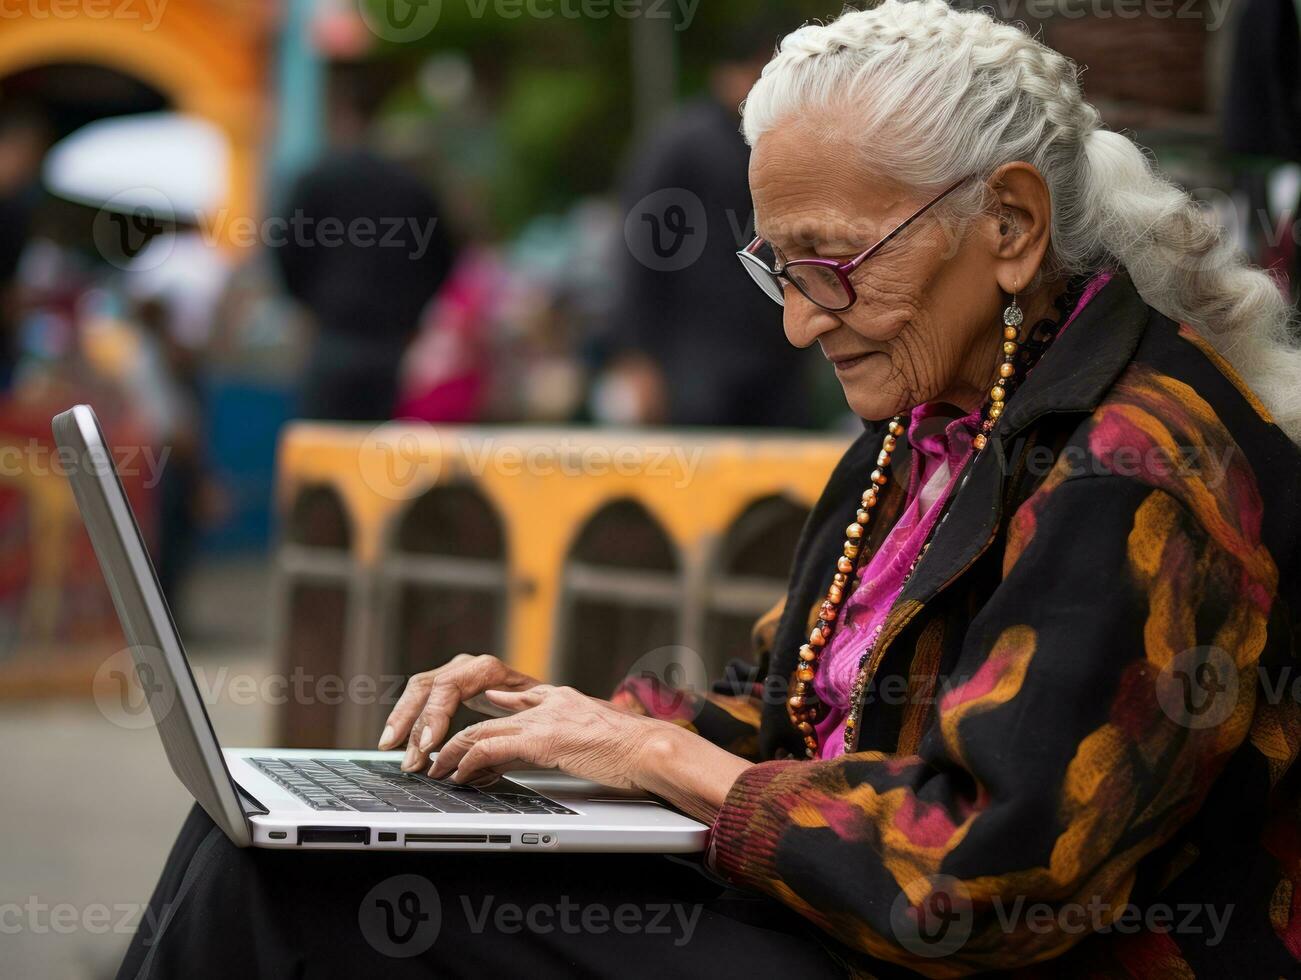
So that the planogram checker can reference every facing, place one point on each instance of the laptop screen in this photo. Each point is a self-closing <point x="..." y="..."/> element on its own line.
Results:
<point x="156" y="651"/>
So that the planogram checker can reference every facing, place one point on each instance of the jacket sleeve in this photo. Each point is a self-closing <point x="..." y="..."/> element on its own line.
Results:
<point x="1096" y="696"/>
<point x="728" y="714"/>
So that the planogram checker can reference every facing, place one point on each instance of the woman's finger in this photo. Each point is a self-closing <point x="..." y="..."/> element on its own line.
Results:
<point x="406" y="710"/>
<point x="451" y="687"/>
<point x="450" y="755"/>
<point x="491" y="754"/>
<point x="485" y="778"/>
<point x="485" y="706"/>
<point x="403" y="717"/>
<point x="512" y="701"/>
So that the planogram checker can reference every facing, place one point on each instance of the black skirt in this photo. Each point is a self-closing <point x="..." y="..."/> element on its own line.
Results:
<point x="221" y="911"/>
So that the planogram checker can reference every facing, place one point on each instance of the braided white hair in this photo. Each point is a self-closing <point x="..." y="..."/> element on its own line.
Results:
<point x="935" y="94"/>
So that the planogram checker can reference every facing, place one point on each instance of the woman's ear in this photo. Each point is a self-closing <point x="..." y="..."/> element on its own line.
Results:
<point x="1024" y="222"/>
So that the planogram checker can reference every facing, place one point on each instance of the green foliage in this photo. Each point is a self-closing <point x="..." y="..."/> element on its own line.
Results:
<point x="560" y="87"/>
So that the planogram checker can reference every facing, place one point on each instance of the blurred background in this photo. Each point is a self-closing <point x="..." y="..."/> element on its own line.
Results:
<point x="414" y="327"/>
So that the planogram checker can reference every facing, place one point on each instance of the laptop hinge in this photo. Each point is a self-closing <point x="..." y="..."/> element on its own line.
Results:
<point x="249" y="802"/>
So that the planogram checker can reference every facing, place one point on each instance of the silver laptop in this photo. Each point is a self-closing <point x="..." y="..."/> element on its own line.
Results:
<point x="324" y="798"/>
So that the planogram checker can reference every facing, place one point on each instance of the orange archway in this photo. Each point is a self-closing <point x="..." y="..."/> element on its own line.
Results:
<point x="207" y="56"/>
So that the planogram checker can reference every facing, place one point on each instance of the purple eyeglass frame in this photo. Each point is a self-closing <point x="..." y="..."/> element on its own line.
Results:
<point x="749" y="256"/>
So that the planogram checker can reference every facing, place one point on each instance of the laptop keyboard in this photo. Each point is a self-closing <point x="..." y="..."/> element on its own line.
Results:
<point x="370" y="786"/>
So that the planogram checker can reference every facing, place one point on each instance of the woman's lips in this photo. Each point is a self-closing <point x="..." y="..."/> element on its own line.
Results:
<point x="845" y="364"/>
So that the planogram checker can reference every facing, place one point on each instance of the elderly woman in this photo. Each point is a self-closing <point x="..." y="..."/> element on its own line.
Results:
<point x="1028" y="705"/>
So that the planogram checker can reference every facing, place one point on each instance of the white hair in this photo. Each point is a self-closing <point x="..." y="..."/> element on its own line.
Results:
<point x="933" y="94"/>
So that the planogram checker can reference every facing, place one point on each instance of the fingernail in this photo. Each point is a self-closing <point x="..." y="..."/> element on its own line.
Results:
<point x="411" y="759"/>
<point x="386" y="737"/>
<point x="426" y="739"/>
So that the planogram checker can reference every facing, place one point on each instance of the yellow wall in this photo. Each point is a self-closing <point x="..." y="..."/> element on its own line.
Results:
<point x="545" y="484"/>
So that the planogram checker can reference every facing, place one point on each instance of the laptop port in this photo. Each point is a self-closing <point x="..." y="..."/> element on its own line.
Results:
<point x="333" y="835"/>
<point x="457" y="839"/>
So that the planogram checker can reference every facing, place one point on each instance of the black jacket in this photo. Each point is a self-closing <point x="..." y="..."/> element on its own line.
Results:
<point x="1080" y="719"/>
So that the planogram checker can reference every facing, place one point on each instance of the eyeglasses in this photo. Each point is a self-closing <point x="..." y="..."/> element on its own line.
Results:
<point x="823" y="282"/>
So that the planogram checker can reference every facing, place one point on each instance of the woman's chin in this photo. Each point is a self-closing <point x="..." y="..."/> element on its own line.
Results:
<point x="875" y="403"/>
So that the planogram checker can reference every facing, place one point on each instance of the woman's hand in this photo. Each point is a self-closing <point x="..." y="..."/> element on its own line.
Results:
<point x="559" y="728"/>
<point x="425" y="709"/>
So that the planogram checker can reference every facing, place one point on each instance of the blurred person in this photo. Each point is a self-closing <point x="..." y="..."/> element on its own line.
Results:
<point x="25" y="137"/>
<point x="691" y="344"/>
<point x="364" y="251"/>
<point x="175" y="285"/>
<point x="1262" y="121"/>
<point x="445" y="371"/>
<point x="1023" y="710"/>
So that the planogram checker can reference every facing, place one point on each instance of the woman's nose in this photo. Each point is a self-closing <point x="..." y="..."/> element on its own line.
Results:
<point x="805" y="321"/>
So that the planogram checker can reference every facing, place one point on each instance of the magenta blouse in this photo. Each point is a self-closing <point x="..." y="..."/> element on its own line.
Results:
<point x="942" y="445"/>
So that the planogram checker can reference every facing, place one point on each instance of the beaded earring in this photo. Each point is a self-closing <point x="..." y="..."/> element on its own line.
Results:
<point x="1012" y="320"/>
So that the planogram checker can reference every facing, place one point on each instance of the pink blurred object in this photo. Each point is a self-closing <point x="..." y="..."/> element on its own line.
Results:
<point x="444" y="375"/>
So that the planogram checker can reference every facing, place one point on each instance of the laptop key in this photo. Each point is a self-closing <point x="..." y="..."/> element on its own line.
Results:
<point x="454" y="806"/>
